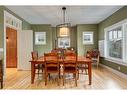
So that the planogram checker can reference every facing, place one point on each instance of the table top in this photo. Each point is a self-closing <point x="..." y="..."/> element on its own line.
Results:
<point x="80" y="59"/>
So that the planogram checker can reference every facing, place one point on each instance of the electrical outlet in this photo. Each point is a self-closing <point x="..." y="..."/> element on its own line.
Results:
<point x="118" y="67"/>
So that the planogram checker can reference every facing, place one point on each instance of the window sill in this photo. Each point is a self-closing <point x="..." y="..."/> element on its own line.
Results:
<point x="117" y="61"/>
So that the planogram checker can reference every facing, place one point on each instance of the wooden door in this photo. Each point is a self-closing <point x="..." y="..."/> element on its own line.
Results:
<point x="11" y="48"/>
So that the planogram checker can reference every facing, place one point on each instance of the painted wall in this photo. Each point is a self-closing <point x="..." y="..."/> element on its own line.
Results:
<point x="73" y="37"/>
<point x="114" y="18"/>
<point x="54" y="37"/>
<point x="43" y="28"/>
<point x="82" y="49"/>
<point x="1" y="27"/>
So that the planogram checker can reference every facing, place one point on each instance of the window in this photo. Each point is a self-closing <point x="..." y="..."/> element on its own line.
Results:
<point x="116" y="42"/>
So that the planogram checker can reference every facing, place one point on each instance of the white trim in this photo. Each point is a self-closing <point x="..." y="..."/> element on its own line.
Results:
<point x="7" y="25"/>
<point x="7" y="15"/>
<point x="124" y="51"/>
<point x="1" y="49"/>
<point x="114" y="71"/>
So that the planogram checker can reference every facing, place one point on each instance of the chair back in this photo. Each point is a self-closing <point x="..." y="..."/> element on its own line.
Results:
<point x="88" y="56"/>
<point x="51" y="60"/>
<point x="69" y="51"/>
<point x="93" y="53"/>
<point x="70" y="59"/>
<point x="34" y="55"/>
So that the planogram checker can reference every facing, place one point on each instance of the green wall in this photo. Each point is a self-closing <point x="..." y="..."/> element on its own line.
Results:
<point x="1" y="27"/>
<point x="82" y="28"/>
<point x="43" y="28"/>
<point x="53" y="36"/>
<point x="73" y="37"/>
<point x="114" y="18"/>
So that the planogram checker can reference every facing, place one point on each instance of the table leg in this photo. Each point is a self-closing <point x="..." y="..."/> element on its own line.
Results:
<point x="32" y="72"/>
<point x="89" y="73"/>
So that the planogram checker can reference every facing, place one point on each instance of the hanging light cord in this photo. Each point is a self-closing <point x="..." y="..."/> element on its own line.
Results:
<point x="64" y="8"/>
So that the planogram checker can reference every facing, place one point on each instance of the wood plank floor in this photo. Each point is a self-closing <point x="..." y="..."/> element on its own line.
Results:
<point x="101" y="79"/>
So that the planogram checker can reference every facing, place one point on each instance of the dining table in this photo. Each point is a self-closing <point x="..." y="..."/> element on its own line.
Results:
<point x="80" y="61"/>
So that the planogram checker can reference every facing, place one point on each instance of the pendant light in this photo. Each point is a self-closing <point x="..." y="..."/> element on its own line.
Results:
<point x="64" y="28"/>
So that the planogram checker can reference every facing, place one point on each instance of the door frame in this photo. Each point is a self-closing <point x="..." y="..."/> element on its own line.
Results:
<point x="18" y="29"/>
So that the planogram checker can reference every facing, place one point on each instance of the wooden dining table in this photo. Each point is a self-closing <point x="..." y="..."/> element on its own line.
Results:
<point x="80" y="60"/>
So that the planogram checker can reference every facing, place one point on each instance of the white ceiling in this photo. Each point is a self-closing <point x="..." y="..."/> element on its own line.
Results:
<point x="54" y="15"/>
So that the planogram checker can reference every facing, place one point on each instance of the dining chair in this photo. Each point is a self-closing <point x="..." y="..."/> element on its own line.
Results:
<point x="95" y="55"/>
<point x="51" y="65"/>
<point x="83" y="67"/>
<point x="70" y="65"/>
<point x="38" y="67"/>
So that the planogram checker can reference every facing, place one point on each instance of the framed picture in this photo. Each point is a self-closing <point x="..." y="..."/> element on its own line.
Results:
<point x="40" y="38"/>
<point x="63" y="42"/>
<point x="87" y="37"/>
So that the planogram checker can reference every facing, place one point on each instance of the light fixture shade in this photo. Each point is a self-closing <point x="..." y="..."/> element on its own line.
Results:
<point x="64" y="32"/>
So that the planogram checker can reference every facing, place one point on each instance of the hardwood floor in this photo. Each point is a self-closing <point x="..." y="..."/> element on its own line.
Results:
<point x="101" y="79"/>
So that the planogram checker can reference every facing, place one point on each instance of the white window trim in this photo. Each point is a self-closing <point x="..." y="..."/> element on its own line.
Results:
<point x="122" y="61"/>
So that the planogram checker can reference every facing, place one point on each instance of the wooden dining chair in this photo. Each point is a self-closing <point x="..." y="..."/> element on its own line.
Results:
<point x="38" y="67"/>
<point x="83" y="67"/>
<point x="51" y="65"/>
<point x="95" y="55"/>
<point x="70" y="65"/>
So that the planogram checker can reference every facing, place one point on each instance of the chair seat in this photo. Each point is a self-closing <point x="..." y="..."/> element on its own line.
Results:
<point x="94" y="59"/>
<point x="39" y="66"/>
<point x="81" y="68"/>
<point x="69" y="69"/>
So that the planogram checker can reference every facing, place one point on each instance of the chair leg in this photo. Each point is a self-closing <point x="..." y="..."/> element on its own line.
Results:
<point x="85" y="69"/>
<point x="45" y="78"/>
<point x="59" y="74"/>
<point x="42" y="69"/>
<point x="75" y="79"/>
<point x="63" y="79"/>
<point x="58" y="81"/>
<point x="38" y="72"/>
<point x="97" y="64"/>
<point x="1" y="84"/>
<point x="78" y="75"/>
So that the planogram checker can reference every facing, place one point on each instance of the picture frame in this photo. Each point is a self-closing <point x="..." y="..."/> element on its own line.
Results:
<point x="88" y="37"/>
<point x="63" y="42"/>
<point x="40" y="38"/>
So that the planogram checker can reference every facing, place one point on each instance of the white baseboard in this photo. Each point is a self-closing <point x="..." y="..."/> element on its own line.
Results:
<point x="115" y="71"/>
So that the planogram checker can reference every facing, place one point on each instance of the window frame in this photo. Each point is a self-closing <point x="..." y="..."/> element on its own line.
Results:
<point x="123" y="25"/>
